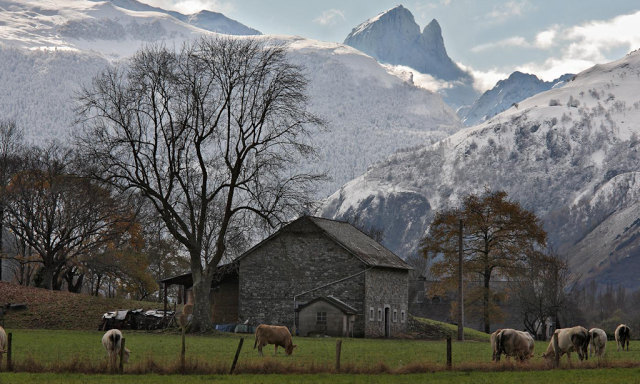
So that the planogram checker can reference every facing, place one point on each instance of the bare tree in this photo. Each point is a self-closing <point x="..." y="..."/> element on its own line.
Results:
<point x="210" y="136"/>
<point x="545" y="290"/>
<point x="59" y="215"/>
<point x="11" y="146"/>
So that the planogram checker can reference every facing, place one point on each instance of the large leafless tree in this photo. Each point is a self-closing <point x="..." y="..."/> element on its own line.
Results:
<point x="210" y="135"/>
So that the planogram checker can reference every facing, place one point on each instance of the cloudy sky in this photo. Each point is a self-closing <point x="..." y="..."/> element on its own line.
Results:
<point x="490" y="37"/>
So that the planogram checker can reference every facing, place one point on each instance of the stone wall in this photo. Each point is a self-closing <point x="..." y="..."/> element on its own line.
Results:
<point x="299" y="258"/>
<point x="224" y="301"/>
<point x="386" y="288"/>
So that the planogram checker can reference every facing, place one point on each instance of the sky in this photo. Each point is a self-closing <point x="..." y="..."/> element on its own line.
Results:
<point x="490" y="38"/>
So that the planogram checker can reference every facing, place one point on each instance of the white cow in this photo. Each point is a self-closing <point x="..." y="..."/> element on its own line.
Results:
<point x="623" y="335"/>
<point x="598" y="342"/>
<point x="514" y="343"/>
<point x="112" y="342"/>
<point x="574" y="339"/>
<point x="3" y="344"/>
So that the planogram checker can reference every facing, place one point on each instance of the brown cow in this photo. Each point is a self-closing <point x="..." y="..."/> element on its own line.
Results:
<point x="622" y="335"/>
<point x="514" y="343"/>
<point x="574" y="339"/>
<point x="273" y="334"/>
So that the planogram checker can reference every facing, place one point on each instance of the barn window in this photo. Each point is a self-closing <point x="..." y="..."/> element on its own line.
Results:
<point x="402" y="316"/>
<point x="321" y="318"/>
<point x="395" y="315"/>
<point x="371" y="314"/>
<point x="379" y="314"/>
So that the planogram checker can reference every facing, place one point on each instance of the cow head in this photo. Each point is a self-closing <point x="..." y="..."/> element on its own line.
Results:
<point x="289" y="349"/>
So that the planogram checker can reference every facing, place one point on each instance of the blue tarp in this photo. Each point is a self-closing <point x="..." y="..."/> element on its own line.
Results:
<point x="225" y="327"/>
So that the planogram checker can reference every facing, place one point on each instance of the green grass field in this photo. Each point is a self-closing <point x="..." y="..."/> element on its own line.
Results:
<point x="609" y="376"/>
<point x="51" y="348"/>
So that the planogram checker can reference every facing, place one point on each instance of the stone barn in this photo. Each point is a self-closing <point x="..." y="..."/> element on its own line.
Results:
<point x="282" y="278"/>
<point x="318" y="276"/>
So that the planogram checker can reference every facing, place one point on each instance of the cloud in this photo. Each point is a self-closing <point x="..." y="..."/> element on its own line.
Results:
<point x="582" y="46"/>
<point x="329" y="17"/>
<point x="484" y="80"/>
<point x="421" y="80"/>
<point x="546" y="39"/>
<point x="501" y="13"/>
<point x="516" y="41"/>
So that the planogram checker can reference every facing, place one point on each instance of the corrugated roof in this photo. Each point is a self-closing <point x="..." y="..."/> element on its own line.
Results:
<point x="357" y="242"/>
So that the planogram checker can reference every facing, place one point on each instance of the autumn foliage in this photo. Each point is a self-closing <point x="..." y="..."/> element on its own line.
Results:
<point x="499" y="239"/>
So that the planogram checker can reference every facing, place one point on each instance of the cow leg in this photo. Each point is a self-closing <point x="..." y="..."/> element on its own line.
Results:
<point x="260" y="349"/>
<point x="275" y="353"/>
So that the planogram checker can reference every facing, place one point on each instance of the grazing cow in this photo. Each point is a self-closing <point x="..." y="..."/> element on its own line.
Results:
<point x="622" y="334"/>
<point x="493" y="344"/>
<point x="514" y="343"/>
<point x="273" y="334"/>
<point x="598" y="342"/>
<point x="3" y="344"/>
<point x="112" y="342"/>
<point x="574" y="339"/>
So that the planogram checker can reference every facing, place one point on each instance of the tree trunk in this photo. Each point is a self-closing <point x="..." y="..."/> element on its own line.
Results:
<point x="48" y="276"/>
<point x="485" y="301"/>
<point x="201" y="320"/>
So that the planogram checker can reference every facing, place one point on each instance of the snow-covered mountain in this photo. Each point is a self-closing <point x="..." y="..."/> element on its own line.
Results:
<point x="571" y="154"/>
<point x="371" y="113"/>
<point x="517" y="87"/>
<point x="394" y="37"/>
<point x="211" y="21"/>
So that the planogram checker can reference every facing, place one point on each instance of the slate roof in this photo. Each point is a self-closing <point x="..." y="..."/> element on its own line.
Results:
<point x="357" y="242"/>
<point x="370" y="252"/>
<point x="344" y="307"/>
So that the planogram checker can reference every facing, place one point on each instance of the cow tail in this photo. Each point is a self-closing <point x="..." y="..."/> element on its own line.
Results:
<point x="585" y="346"/>
<point x="115" y="338"/>
<point x="255" y="343"/>
<point x="498" y="345"/>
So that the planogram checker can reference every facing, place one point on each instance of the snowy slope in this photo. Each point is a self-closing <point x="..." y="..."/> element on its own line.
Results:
<point x="570" y="154"/>
<point x="517" y="87"/>
<point x="371" y="113"/>
<point x="393" y="37"/>
<point x="211" y="21"/>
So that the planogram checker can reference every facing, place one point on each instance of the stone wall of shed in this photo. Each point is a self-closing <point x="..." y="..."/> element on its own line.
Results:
<point x="224" y="301"/>
<point x="298" y="259"/>
<point x="386" y="287"/>
<point x="307" y="320"/>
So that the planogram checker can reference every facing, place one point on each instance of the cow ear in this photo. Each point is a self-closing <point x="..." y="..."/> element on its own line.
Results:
<point x="295" y="346"/>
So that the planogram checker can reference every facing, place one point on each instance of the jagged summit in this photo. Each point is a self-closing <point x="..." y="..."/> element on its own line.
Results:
<point x="394" y="37"/>
<point x="517" y="87"/>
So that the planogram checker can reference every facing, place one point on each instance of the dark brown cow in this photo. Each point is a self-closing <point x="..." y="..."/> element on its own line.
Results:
<point x="623" y="335"/>
<point x="273" y="334"/>
<point x="514" y="343"/>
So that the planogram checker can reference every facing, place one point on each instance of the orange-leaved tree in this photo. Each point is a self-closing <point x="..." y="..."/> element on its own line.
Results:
<point x="499" y="238"/>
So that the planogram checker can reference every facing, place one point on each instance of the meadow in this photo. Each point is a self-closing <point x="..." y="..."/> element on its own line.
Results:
<point x="40" y="351"/>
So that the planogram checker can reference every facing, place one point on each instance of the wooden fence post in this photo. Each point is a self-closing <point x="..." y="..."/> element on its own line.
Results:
<point x="121" y="368"/>
<point x="235" y="359"/>
<point x="556" y="350"/>
<point x="182" y="353"/>
<point x="9" y="350"/>
<point x="338" y="352"/>
<point x="449" y="362"/>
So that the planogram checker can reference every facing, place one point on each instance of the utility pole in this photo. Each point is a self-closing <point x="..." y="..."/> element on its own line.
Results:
<point x="460" y="290"/>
